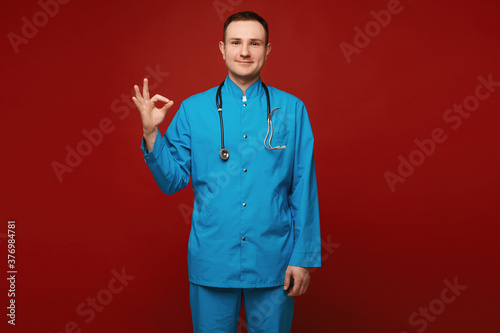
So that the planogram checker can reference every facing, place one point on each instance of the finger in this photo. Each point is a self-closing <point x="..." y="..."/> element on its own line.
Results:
<point x="137" y="104"/>
<point x="138" y="93"/>
<point x="295" y="289"/>
<point x="288" y="274"/>
<point x="297" y="286"/>
<point x="167" y="106"/>
<point x="303" y="287"/>
<point x="158" y="97"/>
<point x="145" y="89"/>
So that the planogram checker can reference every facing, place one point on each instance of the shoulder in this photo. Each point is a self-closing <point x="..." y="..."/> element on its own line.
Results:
<point x="201" y="98"/>
<point x="195" y="106"/>
<point x="284" y="97"/>
<point x="286" y="100"/>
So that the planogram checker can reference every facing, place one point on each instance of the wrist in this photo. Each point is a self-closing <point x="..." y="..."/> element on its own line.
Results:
<point x="147" y="133"/>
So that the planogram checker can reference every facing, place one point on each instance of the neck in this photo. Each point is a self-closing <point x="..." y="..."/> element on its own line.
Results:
<point x="243" y="83"/>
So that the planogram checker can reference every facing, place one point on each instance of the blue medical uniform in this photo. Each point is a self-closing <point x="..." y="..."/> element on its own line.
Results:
<point x="257" y="212"/>
<point x="216" y="310"/>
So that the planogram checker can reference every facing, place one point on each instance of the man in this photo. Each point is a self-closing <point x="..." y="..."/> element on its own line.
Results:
<point x="255" y="224"/>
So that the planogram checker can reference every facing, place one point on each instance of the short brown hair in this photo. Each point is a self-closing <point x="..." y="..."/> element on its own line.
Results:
<point x="246" y="16"/>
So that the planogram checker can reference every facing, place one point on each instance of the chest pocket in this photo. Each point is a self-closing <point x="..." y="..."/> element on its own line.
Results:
<point x="278" y="129"/>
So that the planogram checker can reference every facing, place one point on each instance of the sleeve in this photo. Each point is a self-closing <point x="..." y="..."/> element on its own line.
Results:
<point x="170" y="160"/>
<point x="304" y="197"/>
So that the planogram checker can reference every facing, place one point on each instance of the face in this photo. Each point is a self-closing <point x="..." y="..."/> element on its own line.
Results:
<point x="245" y="50"/>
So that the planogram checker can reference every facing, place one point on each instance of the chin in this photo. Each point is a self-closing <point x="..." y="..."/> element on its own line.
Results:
<point x="243" y="74"/>
<point x="247" y="76"/>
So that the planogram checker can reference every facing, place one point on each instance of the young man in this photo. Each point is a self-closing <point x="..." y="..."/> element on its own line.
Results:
<point x="249" y="150"/>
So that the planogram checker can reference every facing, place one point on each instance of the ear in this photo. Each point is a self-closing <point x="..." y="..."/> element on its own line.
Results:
<point x="222" y="49"/>
<point x="268" y="49"/>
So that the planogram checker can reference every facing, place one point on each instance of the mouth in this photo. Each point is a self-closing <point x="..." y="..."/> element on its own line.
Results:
<point x="244" y="62"/>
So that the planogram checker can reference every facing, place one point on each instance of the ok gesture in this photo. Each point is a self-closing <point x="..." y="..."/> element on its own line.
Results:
<point x="151" y="116"/>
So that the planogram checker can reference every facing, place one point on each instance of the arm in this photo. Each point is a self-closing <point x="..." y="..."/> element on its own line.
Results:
<point x="168" y="157"/>
<point x="305" y="209"/>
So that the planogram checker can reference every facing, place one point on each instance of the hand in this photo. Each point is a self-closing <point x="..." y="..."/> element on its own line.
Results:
<point x="151" y="115"/>
<point x="300" y="277"/>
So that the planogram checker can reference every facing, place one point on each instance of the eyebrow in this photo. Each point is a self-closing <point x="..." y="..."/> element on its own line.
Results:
<point x="251" y="39"/>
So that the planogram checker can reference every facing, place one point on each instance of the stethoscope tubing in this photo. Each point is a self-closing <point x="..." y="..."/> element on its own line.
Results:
<point x="224" y="153"/>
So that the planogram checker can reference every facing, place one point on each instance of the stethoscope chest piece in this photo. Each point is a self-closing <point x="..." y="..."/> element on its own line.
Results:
<point x="224" y="154"/>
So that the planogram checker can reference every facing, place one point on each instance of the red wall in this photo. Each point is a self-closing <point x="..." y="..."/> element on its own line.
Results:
<point x="408" y="182"/>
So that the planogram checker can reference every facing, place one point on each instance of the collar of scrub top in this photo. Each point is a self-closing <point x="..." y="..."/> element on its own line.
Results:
<point x="254" y="90"/>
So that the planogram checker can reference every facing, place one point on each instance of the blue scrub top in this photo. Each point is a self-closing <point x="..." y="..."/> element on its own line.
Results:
<point x="257" y="212"/>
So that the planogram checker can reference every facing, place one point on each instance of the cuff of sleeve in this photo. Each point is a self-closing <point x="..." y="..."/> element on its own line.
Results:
<point x="157" y="147"/>
<point x="308" y="259"/>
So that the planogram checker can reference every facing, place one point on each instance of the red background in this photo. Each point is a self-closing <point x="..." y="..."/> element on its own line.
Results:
<point x="386" y="253"/>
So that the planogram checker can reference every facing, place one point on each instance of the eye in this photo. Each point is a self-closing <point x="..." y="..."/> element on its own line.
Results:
<point x="255" y="44"/>
<point x="235" y="42"/>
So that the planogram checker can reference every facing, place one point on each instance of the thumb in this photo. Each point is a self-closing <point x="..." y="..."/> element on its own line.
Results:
<point x="288" y="274"/>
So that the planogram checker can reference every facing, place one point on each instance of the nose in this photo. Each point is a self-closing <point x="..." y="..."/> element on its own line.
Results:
<point x="245" y="52"/>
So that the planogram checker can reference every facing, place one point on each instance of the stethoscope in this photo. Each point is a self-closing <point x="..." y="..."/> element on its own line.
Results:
<point x="224" y="153"/>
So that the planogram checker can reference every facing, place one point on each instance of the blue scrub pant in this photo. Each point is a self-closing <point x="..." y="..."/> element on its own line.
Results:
<point x="217" y="310"/>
